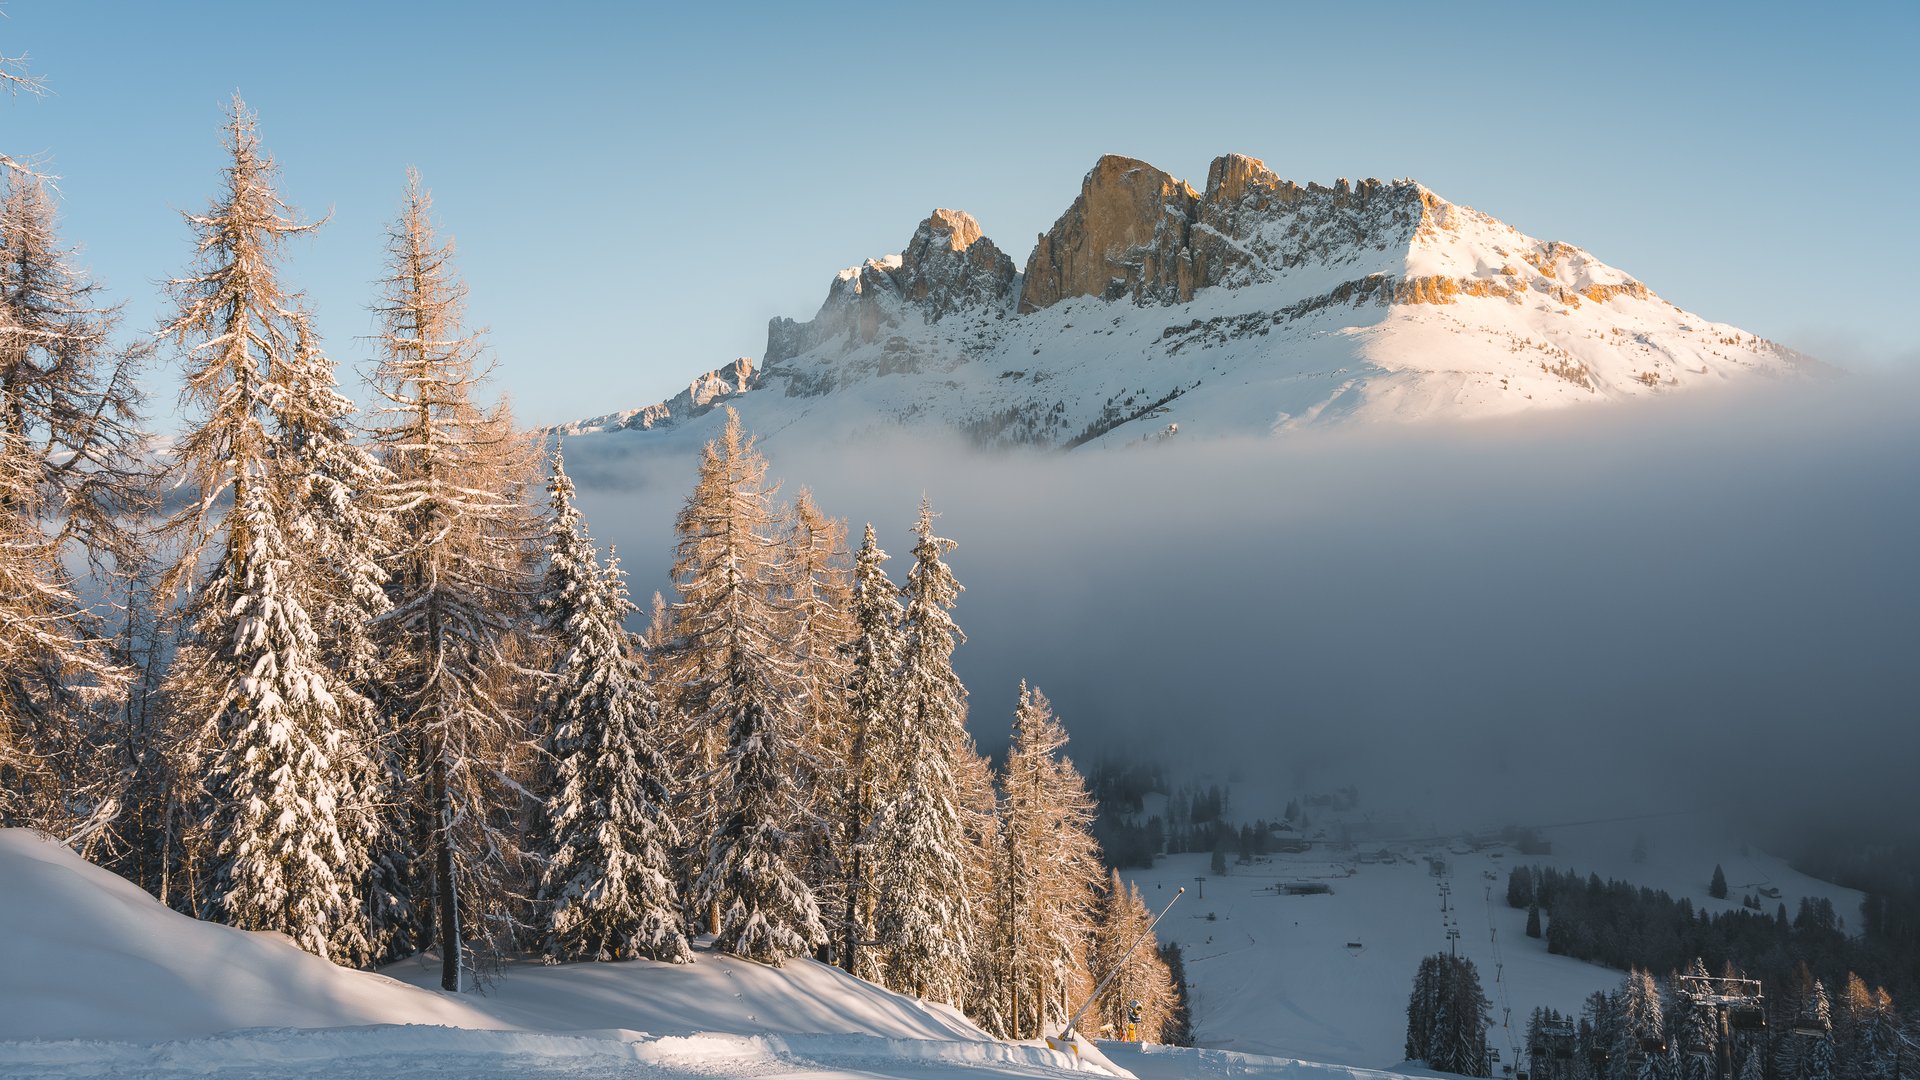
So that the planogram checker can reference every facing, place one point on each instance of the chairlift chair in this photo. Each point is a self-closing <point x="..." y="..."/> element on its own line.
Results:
<point x="1654" y="1044"/>
<point x="1747" y="1017"/>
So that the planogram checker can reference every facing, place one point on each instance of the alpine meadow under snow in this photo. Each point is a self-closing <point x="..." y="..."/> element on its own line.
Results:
<point x="339" y="738"/>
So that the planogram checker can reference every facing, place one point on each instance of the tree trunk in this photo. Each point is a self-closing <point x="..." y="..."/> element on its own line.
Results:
<point x="847" y="956"/>
<point x="449" y="920"/>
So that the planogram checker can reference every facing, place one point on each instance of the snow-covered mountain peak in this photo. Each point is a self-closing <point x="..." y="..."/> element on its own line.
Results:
<point x="1256" y="304"/>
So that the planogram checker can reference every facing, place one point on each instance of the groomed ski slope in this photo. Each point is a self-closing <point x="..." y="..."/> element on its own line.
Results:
<point x="1274" y="974"/>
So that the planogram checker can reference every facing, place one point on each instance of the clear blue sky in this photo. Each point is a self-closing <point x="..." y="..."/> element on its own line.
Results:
<point x="636" y="189"/>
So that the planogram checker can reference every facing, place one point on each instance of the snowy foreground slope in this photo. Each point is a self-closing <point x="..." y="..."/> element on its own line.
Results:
<point x="86" y="954"/>
<point x="96" y="979"/>
<point x="1253" y="306"/>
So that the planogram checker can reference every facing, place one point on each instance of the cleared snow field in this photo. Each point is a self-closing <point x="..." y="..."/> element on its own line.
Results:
<point x="1274" y="974"/>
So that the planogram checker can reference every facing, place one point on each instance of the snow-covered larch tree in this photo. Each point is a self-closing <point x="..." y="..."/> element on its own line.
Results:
<point x="736" y="698"/>
<point x="1140" y="976"/>
<point x="608" y="887"/>
<point x="16" y="79"/>
<point x="1046" y="877"/>
<point x="739" y="700"/>
<point x="70" y="487"/>
<point x="918" y="850"/>
<point x="818" y="605"/>
<point x="462" y="590"/>
<point x="270" y="741"/>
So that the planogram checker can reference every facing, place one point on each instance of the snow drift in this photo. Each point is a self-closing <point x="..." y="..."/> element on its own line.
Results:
<point x="87" y="954"/>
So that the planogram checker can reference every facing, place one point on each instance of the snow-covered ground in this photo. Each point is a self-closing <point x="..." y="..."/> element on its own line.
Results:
<point x="1278" y="974"/>
<point x="97" y="979"/>
<point x="86" y="954"/>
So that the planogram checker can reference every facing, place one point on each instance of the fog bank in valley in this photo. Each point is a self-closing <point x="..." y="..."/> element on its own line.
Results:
<point x="1688" y="604"/>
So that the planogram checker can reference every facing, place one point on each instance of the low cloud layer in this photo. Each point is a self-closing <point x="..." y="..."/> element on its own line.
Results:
<point x="1689" y="604"/>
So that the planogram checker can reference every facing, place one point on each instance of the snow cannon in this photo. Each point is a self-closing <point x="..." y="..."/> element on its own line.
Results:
<point x="1069" y="1039"/>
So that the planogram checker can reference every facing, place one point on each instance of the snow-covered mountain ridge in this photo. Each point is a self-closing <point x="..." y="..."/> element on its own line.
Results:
<point x="1253" y="306"/>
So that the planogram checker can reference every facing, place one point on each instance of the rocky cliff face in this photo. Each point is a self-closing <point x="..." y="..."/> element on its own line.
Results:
<point x="1125" y="236"/>
<point x="947" y="268"/>
<point x="1137" y="233"/>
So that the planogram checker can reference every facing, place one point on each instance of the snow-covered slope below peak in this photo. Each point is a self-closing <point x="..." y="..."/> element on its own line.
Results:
<point x="1256" y="306"/>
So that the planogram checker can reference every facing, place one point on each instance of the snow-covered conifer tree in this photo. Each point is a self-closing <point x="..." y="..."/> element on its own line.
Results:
<point x="747" y="688"/>
<point x="1641" y="1020"/>
<point x="462" y="587"/>
<point x="918" y="848"/>
<point x="818" y="607"/>
<point x="1819" y="1060"/>
<point x="608" y="883"/>
<point x="873" y="659"/>
<point x="1046" y="876"/>
<point x="1422" y="1006"/>
<point x="272" y="746"/>
<point x="70" y="446"/>
<point x="1880" y="1039"/>
<point x="16" y="79"/>
<point x="332" y="480"/>
<point x="737" y="705"/>
<point x="754" y="856"/>
<point x="1447" y="1016"/>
